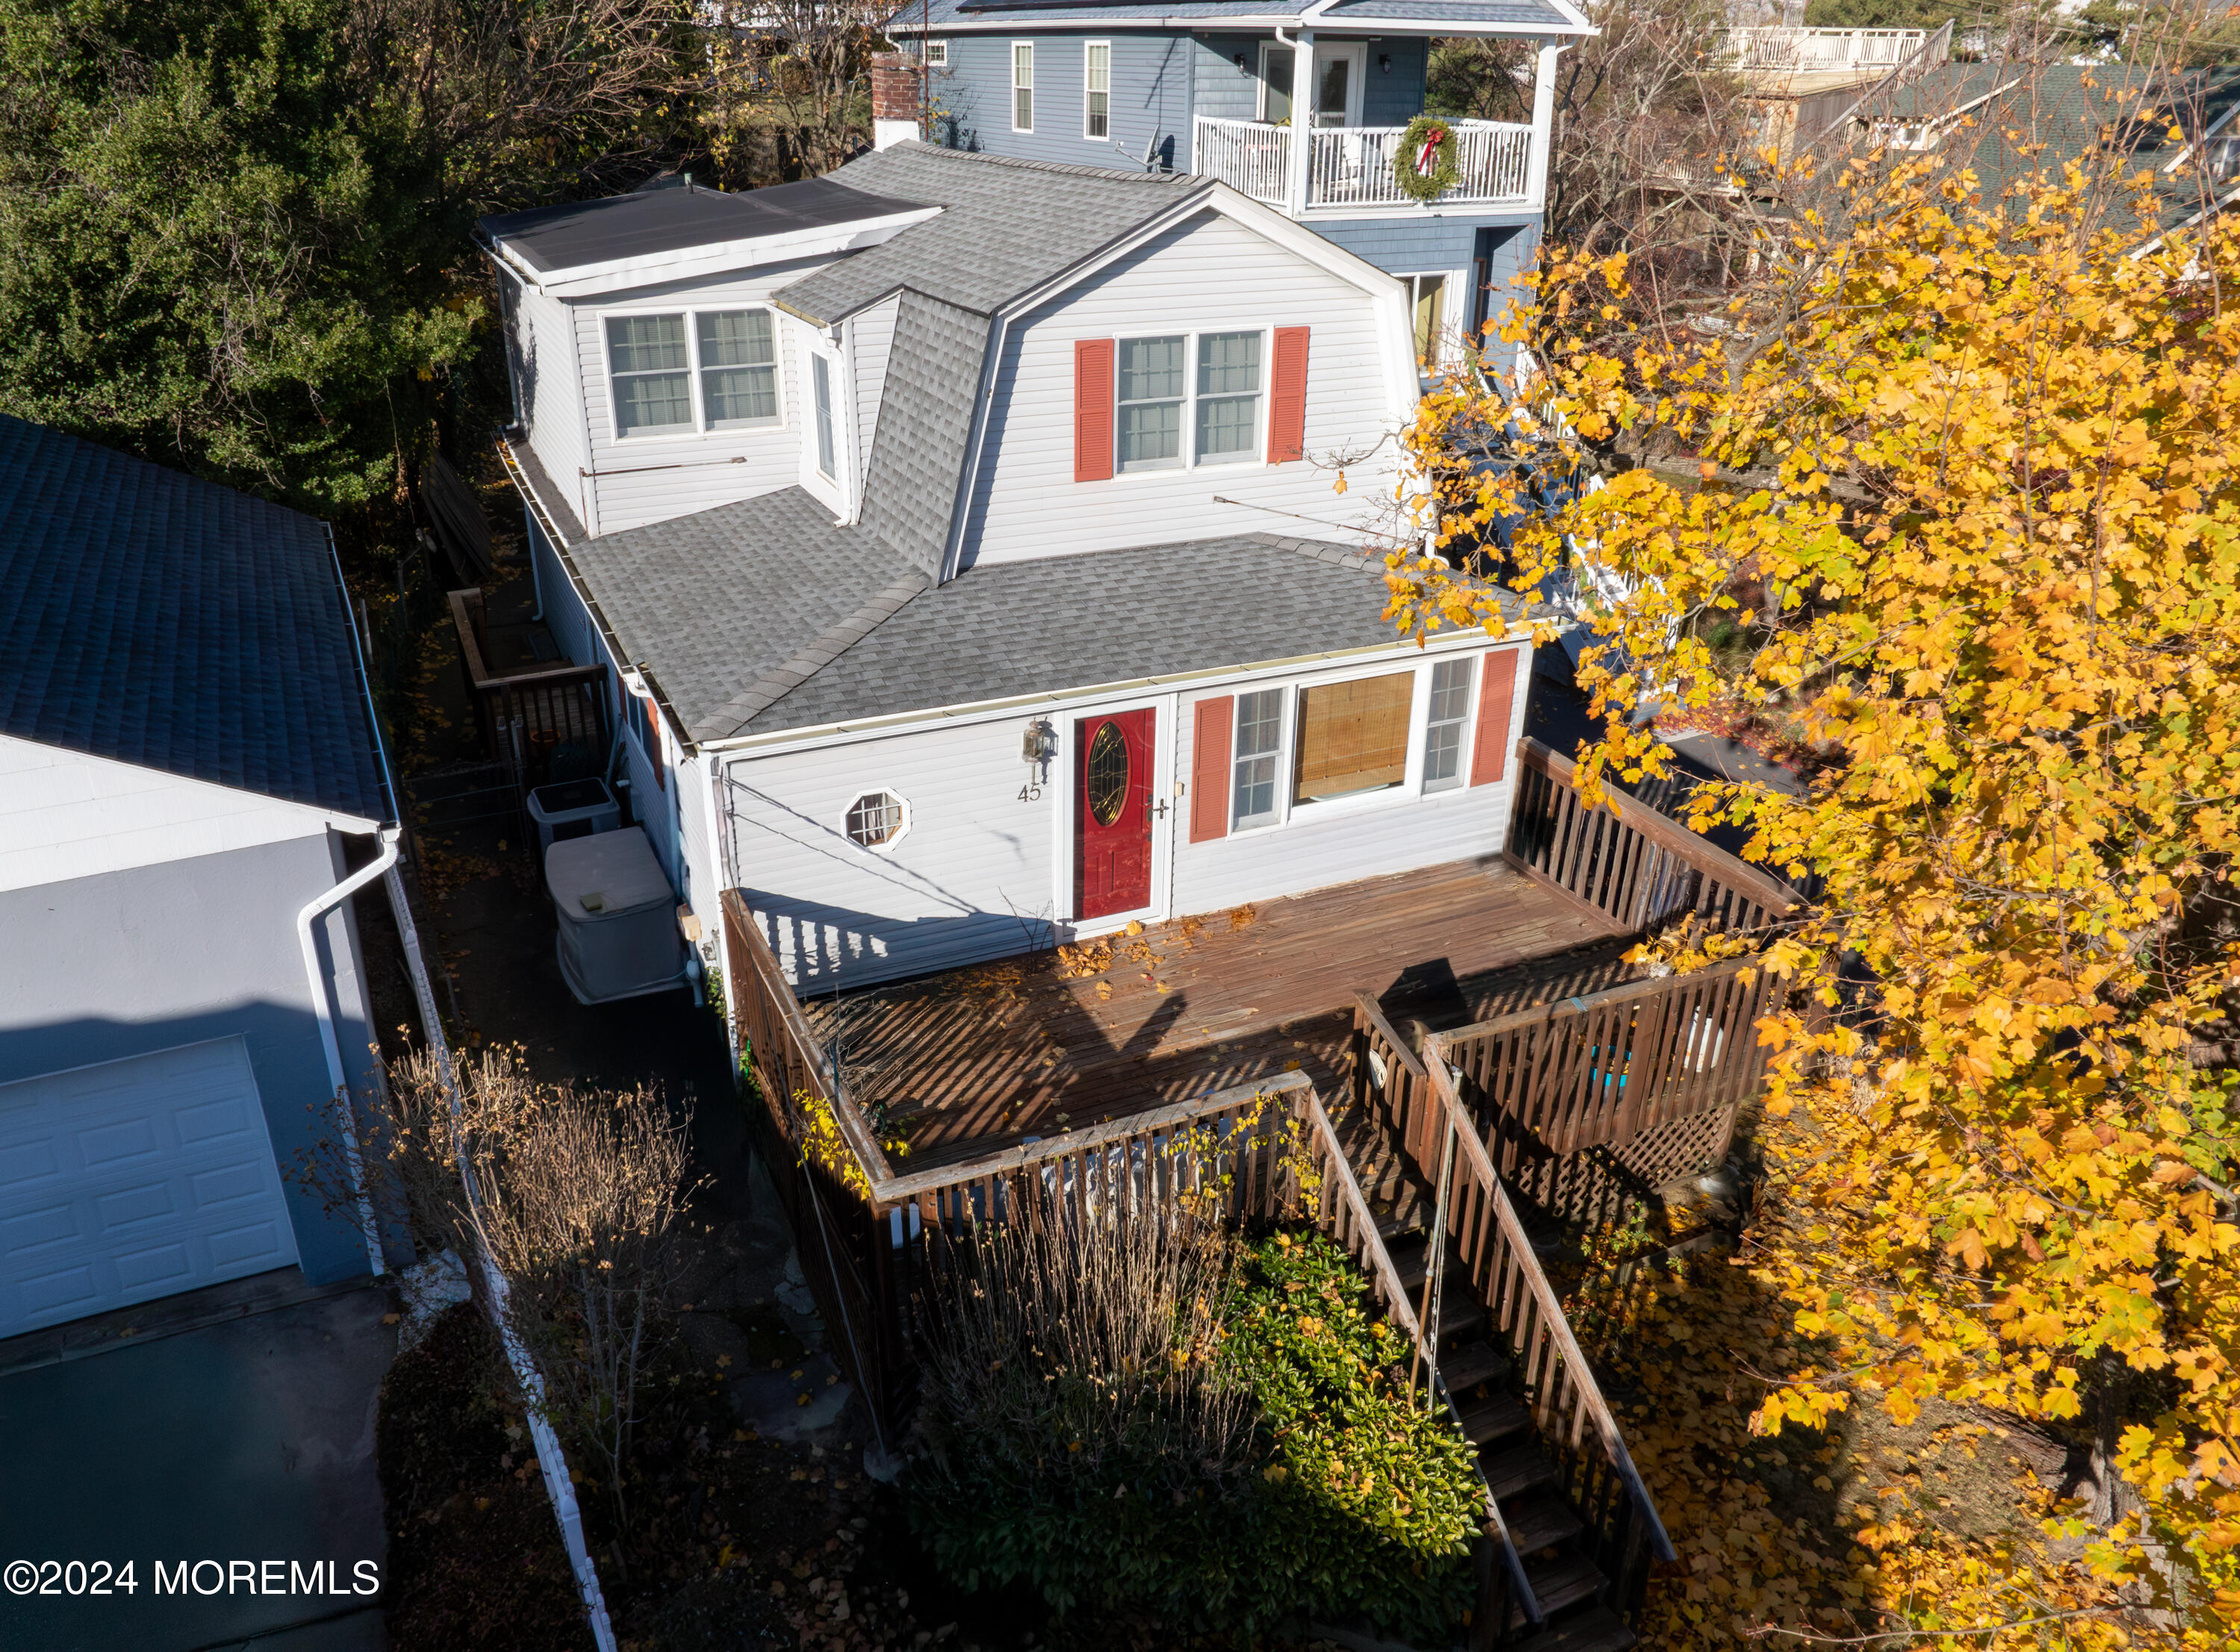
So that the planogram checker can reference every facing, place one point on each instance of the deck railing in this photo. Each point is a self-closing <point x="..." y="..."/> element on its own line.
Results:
<point x="1502" y="1271"/>
<point x="1625" y="860"/>
<point x="526" y="717"/>
<point x="1812" y="51"/>
<point x="1351" y="166"/>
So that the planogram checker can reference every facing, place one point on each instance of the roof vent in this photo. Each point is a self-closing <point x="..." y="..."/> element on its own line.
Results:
<point x="664" y="181"/>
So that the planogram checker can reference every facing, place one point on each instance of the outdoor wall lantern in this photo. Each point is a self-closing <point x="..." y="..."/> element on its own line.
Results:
<point x="1039" y="744"/>
<point x="1384" y="62"/>
<point x="1239" y="61"/>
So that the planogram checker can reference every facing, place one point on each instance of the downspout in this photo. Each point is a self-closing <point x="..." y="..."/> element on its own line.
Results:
<point x="323" y="1008"/>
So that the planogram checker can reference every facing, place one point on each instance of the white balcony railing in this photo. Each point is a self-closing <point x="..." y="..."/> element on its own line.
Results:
<point x="1251" y="158"/>
<point x="1351" y="166"/>
<point x="1809" y="50"/>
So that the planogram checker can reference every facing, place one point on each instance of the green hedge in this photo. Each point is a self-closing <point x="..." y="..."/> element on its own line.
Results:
<point x="1352" y="1505"/>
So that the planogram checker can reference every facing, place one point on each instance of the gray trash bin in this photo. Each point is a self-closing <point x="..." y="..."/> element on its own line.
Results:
<point x="618" y="935"/>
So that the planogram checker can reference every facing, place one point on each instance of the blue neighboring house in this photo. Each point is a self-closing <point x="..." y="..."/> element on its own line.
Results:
<point x="188" y="768"/>
<point x="1300" y="104"/>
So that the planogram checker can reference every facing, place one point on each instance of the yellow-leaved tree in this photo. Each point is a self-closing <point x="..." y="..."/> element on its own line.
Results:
<point x="1957" y="502"/>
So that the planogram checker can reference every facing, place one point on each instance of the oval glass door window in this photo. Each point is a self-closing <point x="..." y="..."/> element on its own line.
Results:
<point x="1108" y="774"/>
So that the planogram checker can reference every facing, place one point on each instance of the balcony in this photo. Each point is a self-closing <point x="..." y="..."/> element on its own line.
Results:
<point x="1812" y="52"/>
<point x="1351" y="166"/>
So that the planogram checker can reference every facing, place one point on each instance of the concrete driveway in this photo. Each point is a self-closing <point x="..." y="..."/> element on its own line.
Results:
<point x="241" y="1442"/>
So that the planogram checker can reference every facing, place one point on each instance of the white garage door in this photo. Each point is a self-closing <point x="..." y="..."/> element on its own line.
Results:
<point x="132" y="1180"/>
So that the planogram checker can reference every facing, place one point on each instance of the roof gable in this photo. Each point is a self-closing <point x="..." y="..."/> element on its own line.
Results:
<point x="153" y="618"/>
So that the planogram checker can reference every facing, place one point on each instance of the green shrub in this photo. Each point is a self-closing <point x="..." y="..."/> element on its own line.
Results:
<point x="1149" y="1416"/>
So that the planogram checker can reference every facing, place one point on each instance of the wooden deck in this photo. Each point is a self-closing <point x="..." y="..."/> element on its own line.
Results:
<point x="977" y="1059"/>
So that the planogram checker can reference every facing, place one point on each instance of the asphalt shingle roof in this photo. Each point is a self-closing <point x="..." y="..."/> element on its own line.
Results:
<point x="1057" y="622"/>
<point x="152" y="618"/>
<point x="2024" y="118"/>
<point x="718" y="603"/>
<point x="1007" y="227"/>
<point x="1065" y="14"/>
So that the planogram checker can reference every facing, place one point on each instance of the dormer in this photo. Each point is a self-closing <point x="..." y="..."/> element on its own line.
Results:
<point x="653" y="372"/>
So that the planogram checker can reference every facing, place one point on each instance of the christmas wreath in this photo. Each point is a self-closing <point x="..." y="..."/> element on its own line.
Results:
<point x="1424" y="168"/>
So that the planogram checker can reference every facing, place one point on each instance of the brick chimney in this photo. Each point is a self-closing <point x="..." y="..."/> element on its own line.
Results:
<point x="894" y="100"/>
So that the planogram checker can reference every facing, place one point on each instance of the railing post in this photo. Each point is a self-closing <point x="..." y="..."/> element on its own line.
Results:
<point x="1301" y="155"/>
<point x="1544" y="125"/>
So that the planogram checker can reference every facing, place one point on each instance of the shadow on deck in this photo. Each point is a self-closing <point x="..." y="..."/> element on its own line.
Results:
<point x="976" y="1059"/>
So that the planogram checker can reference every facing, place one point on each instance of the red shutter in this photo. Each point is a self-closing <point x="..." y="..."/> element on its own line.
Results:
<point x="1092" y="410"/>
<point x="1210" y="769"/>
<point x="1497" y="696"/>
<point x="1287" y="396"/>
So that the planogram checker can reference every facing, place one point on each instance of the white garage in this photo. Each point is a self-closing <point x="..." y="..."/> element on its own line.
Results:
<point x="132" y="1180"/>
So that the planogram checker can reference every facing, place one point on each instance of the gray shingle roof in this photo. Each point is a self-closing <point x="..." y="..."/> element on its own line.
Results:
<point x="925" y="422"/>
<point x="1008" y="227"/>
<point x="152" y="618"/>
<point x="720" y="604"/>
<point x="1008" y="629"/>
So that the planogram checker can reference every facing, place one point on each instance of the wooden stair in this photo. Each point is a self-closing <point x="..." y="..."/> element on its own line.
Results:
<point x="1546" y="1531"/>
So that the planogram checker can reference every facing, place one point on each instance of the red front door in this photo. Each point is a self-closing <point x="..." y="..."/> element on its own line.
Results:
<point x="1112" y="813"/>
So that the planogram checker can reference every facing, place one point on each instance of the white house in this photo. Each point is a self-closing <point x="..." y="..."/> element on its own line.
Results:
<point x="964" y="530"/>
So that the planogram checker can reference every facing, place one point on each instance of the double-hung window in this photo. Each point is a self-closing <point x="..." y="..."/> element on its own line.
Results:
<point x="738" y="369"/>
<point x="652" y="378"/>
<point x="820" y="373"/>
<point x="1228" y="397"/>
<point x="1097" y="77"/>
<point x="1022" y="85"/>
<point x="1443" y="728"/>
<point x="1187" y="400"/>
<point x="653" y="360"/>
<point x="1259" y="741"/>
<point x="1153" y="390"/>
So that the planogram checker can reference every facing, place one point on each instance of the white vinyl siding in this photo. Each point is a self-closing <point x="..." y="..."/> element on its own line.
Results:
<point x="652" y="478"/>
<point x="1208" y="276"/>
<point x="65" y="815"/>
<point x="871" y="341"/>
<point x="982" y="871"/>
<point x="1097" y="89"/>
<point x="553" y="391"/>
<point x="1022" y="85"/>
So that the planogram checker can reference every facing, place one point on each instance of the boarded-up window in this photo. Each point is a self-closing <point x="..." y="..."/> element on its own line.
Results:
<point x="1353" y="737"/>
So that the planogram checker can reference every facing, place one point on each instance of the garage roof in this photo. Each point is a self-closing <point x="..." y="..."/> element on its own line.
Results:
<point x="152" y="618"/>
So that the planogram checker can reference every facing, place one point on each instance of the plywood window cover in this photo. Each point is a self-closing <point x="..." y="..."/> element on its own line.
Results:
<point x="1352" y="736"/>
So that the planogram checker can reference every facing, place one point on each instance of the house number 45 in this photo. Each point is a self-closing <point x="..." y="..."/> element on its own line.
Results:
<point x="1030" y="793"/>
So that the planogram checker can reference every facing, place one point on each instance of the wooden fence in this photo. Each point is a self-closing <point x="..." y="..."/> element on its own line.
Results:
<point x="1627" y="861"/>
<point x="1418" y="1101"/>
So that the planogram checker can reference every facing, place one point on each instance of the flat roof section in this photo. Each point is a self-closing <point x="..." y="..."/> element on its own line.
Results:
<point x="672" y="219"/>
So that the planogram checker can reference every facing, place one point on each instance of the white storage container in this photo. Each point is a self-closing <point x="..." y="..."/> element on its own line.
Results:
<point x="569" y="809"/>
<point x="618" y="935"/>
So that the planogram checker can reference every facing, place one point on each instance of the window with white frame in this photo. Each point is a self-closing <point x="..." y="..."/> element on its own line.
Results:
<point x="739" y="368"/>
<point x="1427" y="302"/>
<point x="1259" y="744"/>
<point x="1022" y="85"/>
<point x="820" y="373"/>
<point x="1188" y="399"/>
<point x="937" y="54"/>
<point x="647" y="356"/>
<point x="874" y="820"/>
<point x="652" y="361"/>
<point x="1228" y="397"/>
<point x="1443" y="728"/>
<point x="1352" y="737"/>
<point x="1096" y="78"/>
